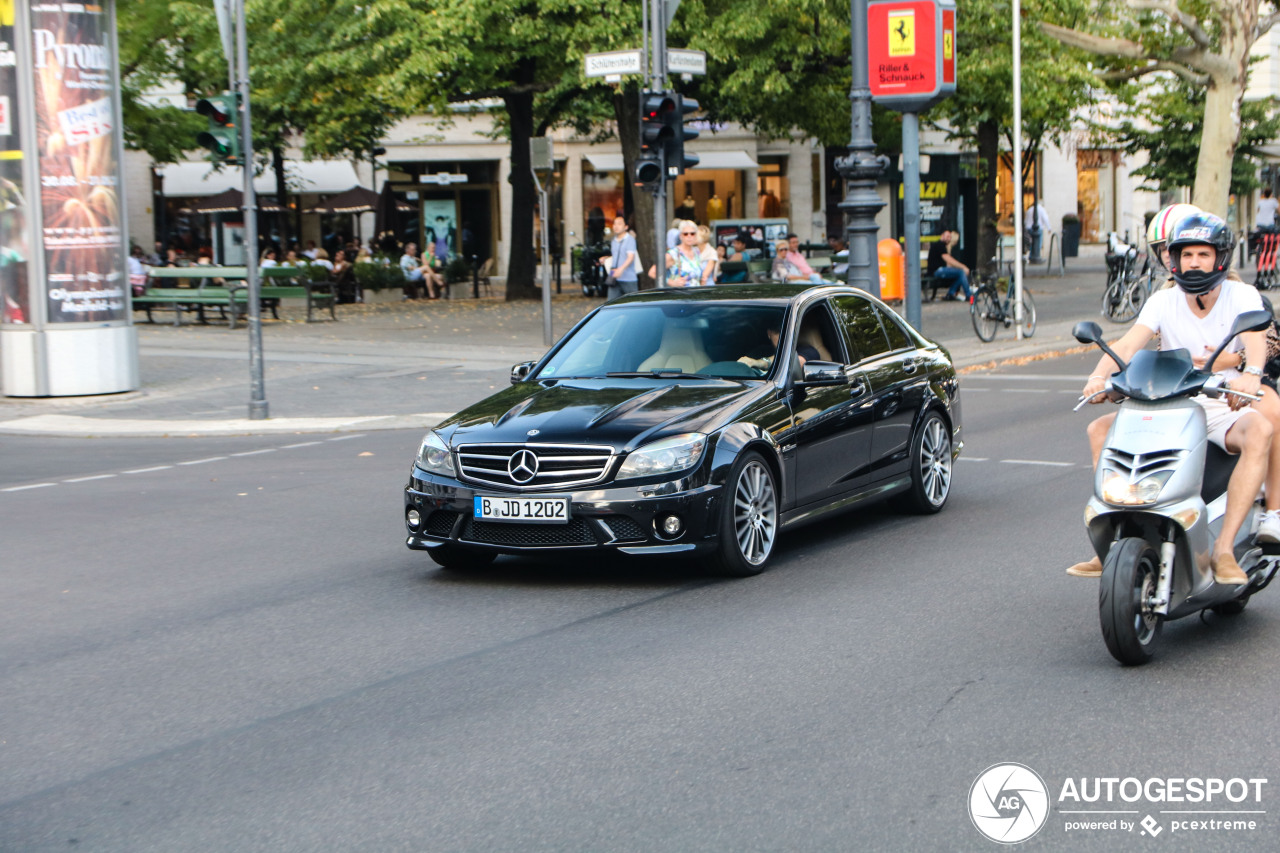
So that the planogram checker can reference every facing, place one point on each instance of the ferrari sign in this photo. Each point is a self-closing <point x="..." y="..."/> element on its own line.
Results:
<point x="911" y="52"/>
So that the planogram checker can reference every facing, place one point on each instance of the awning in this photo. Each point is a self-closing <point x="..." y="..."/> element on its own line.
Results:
<point x="306" y="176"/>
<point x="612" y="162"/>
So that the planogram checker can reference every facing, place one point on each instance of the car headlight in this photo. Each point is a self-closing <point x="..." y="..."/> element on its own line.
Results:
<point x="678" y="453"/>
<point x="1116" y="488"/>
<point x="434" y="456"/>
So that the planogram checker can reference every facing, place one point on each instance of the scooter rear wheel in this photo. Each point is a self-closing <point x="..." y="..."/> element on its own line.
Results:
<point x="1129" y="576"/>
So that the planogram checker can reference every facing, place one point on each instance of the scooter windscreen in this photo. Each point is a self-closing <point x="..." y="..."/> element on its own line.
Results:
<point x="1154" y="375"/>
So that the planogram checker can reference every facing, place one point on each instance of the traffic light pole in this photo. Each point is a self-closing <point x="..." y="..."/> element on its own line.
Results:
<point x="658" y="67"/>
<point x="257" y="387"/>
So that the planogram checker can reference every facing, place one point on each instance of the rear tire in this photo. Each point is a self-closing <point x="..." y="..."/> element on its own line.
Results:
<point x="1234" y="607"/>
<point x="985" y="314"/>
<point x="1129" y="576"/>
<point x="1028" y="314"/>
<point x="459" y="559"/>
<point x="931" y="467"/>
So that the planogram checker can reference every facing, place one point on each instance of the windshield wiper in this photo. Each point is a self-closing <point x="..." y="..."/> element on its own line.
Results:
<point x="659" y="373"/>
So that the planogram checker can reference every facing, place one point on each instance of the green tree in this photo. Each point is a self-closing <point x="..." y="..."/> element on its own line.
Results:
<point x="1205" y="43"/>
<point x="1055" y="84"/>
<point x="1166" y="127"/>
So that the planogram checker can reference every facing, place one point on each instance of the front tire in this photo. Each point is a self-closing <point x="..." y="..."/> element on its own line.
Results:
<point x="986" y="314"/>
<point x="931" y="467"/>
<point x="1129" y="576"/>
<point x="748" y="519"/>
<point x="459" y="559"/>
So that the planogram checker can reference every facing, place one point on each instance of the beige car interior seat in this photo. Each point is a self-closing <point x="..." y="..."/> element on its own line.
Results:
<point x="811" y="336"/>
<point x="681" y="348"/>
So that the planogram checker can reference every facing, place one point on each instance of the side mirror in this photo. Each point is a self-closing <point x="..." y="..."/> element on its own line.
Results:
<point x="1087" y="332"/>
<point x="1249" y="321"/>
<point x="521" y="371"/>
<point x="1091" y="333"/>
<point x="819" y="374"/>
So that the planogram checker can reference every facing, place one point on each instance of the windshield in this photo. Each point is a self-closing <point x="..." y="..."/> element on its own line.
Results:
<point x="706" y="339"/>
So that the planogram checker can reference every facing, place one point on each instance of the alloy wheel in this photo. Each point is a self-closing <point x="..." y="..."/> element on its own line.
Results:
<point x="755" y="513"/>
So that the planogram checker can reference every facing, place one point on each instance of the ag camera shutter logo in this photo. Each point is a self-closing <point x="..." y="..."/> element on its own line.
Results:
<point x="1008" y="803"/>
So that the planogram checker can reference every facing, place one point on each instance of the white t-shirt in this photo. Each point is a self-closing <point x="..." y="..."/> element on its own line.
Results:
<point x="1267" y="208"/>
<point x="1168" y="314"/>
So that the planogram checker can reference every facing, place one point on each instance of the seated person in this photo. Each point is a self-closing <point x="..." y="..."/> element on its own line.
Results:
<point x="761" y="358"/>
<point x="784" y="269"/>
<point x="738" y="255"/>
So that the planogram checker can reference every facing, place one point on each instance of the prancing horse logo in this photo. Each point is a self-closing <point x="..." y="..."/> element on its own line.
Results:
<point x="523" y="466"/>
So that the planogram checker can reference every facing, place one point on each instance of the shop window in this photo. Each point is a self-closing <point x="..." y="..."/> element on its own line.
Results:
<point x="773" y="187"/>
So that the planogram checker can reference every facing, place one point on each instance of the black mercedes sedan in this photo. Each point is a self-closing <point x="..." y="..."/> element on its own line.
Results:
<point x="697" y="421"/>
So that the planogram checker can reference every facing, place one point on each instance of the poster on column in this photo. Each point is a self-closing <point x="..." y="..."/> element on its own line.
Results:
<point x="78" y="144"/>
<point x="14" y="294"/>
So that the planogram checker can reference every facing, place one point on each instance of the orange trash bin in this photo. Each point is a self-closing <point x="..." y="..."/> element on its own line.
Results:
<point x="893" y="270"/>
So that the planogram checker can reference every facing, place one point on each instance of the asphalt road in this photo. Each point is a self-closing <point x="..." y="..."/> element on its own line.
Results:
<point x="222" y="644"/>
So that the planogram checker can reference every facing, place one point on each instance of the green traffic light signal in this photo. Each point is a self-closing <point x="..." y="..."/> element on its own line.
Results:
<point x="222" y="139"/>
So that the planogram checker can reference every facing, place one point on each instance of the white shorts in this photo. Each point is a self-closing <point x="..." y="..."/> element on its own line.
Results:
<point x="1220" y="418"/>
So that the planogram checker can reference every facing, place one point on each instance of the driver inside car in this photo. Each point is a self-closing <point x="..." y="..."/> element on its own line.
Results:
<point x="1196" y="314"/>
<point x="761" y="357"/>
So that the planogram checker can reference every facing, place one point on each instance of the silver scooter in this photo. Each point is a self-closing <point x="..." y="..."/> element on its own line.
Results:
<point x="1158" y="497"/>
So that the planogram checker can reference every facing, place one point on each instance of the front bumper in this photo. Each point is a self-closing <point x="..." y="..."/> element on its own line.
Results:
<point x="615" y="518"/>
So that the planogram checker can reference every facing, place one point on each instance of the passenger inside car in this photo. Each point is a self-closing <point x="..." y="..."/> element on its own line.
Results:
<point x="763" y="355"/>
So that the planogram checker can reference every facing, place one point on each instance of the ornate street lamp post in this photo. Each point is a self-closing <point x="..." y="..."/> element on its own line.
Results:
<point x="862" y="167"/>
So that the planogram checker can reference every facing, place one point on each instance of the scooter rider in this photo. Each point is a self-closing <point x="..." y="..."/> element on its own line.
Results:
<point x="1195" y="314"/>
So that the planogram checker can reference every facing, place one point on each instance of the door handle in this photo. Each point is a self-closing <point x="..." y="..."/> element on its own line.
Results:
<point x="857" y="388"/>
<point x="909" y="366"/>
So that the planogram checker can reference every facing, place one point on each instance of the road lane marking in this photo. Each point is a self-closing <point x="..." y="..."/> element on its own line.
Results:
<point x="1038" y="462"/>
<point x="1026" y="390"/>
<point x="202" y="461"/>
<point x="24" y="488"/>
<point x="303" y="444"/>
<point x="147" y="470"/>
<point x="255" y="452"/>
<point x="94" y="477"/>
<point x="975" y="458"/>
<point x="348" y="437"/>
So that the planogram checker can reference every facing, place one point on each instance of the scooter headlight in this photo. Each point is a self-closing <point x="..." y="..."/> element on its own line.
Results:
<point x="1118" y="489"/>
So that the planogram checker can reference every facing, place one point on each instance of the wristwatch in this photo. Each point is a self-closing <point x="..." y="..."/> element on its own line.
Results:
<point x="1253" y="371"/>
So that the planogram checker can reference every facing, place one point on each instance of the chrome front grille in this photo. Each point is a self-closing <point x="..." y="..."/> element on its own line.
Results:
<point x="553" y="466"/>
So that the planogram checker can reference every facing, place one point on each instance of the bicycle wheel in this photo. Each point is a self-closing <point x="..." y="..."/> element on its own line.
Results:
<point x="1113" y="298"/>
<point x="985" y="313"/>
<point x="1028" y="313"/>
<point x="1134" y="298"/>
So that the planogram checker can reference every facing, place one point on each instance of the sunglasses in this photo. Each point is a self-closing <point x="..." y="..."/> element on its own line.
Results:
<point x="688" y="233"/>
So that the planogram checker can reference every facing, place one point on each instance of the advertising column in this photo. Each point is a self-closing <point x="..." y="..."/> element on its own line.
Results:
<point x="66" y="323"/>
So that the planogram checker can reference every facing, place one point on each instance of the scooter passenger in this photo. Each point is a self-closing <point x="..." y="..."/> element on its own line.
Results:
<point x="1196" y="315"/>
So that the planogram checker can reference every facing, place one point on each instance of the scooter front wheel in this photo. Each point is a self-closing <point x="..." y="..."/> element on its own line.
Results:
<point x="1129" y="576"/>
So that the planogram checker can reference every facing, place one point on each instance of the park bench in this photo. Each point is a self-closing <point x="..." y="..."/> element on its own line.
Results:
<point x="231" y="299"/>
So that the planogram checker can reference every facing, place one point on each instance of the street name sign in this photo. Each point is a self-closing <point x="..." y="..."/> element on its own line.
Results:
<point x="442" y="178"/>
<point x="612" y="63"/>
<point x="911" y="52"/>
<point x="686" y="61"/>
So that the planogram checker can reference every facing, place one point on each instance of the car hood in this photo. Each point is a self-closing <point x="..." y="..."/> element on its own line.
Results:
<point x="620" y="412"/>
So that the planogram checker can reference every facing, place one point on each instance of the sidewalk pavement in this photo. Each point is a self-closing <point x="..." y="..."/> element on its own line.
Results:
<point x="396" y="365"/>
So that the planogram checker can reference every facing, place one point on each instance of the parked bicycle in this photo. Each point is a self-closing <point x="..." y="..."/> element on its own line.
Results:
<point x="1130" y="276"/>
<point x="989" y="311"/>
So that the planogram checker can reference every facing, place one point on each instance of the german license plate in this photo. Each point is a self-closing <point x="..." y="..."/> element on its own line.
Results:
<point x="527" y="510"/>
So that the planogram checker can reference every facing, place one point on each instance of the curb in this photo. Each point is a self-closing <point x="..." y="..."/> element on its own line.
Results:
<point x="83" y="427"/>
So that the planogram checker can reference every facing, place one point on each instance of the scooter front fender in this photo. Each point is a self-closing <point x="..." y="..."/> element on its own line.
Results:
<point x="1192" y="570"/>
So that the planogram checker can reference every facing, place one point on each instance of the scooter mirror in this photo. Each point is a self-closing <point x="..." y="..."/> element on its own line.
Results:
<point x="1087" y="332"/>
<point x="1251" y="321"/>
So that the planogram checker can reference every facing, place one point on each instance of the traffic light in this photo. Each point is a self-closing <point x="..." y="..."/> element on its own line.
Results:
<point x="676" y="136"/>
<point x="223" y="136"/>
<point x="654" y="132"/>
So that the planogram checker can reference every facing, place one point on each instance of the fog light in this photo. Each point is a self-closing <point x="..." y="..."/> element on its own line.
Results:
<point x="672" y="525"/>
<point x="414" y="518"/>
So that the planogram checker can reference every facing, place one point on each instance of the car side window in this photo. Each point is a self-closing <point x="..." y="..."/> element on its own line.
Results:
<point x="817" y="333"/>
<point x="897" y="335"/>
<point x="862" y="329"/>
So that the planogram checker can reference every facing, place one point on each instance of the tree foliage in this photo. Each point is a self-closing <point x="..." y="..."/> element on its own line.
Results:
<point x="1205" y="43"/>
